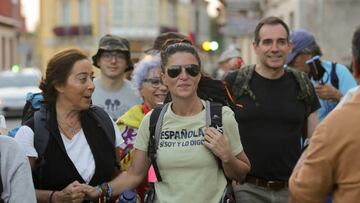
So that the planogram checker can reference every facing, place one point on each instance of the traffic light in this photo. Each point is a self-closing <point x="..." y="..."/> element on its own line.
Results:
<point x="210" y="46"/>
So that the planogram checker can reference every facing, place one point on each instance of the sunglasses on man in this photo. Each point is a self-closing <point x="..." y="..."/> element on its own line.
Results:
<point x="191" y="69"/>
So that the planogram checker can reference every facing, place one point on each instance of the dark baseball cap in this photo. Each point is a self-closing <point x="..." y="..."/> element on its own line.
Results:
<point x="112" y="43"/>
<point x="162" y="38"/>
<point x="300" y="39"/>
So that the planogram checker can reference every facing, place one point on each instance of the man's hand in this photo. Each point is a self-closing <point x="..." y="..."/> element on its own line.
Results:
<point x="325" y="91"/>
<point x="217" y="143"/>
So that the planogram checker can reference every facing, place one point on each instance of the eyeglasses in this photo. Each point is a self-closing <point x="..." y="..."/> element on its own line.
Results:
<point x="109" y="55"/>
<point x="191" y="69"/>
<point x="155" y="82"/>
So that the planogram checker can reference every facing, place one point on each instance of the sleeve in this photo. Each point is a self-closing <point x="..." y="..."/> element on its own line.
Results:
<point x="348" y="96"/>
<point x="25" y="137"/>
<point x="312" y="181"/>
<point x="346" y="80"/>
<point x="231" y="130"/>
<point x="142" y="138"/>
<point x="18" y="182"/>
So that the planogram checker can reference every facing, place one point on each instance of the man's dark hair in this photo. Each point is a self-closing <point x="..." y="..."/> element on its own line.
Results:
<point x="272" y="20"/>
<point x="356" y="45"/>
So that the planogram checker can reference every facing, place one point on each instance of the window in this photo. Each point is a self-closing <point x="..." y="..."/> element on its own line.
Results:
<point x="65" y="12"/>
<point x="118" y="12"/>
<point x="84" y="12"/>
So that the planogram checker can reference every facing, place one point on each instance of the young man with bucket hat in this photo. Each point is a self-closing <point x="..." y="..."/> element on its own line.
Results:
<point x="113" y="92"/>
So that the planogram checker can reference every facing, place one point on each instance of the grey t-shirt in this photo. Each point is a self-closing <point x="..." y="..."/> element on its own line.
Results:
<point x="115" y="102"/>
<point x="15" y="172"/>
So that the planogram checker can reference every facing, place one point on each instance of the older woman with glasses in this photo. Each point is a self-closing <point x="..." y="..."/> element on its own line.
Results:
<point x="189" y="172"/>
<point x="146" y="78"/>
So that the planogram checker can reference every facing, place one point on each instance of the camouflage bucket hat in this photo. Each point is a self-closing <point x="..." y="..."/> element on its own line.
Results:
<point x="112" y="43"/>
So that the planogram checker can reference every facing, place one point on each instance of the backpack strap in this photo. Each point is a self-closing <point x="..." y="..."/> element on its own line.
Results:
<point x="41" y="133"/>
<point x="156" y="121"/>
<point x="214" y="119"/>
<point x="241" y="85"/>
<point x="214" y="115"/>
<point x="306" y="93"/>
<point x="333" y="76"/>
<point x="104" y="121"/>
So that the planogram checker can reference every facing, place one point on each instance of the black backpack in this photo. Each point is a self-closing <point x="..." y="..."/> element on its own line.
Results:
<point x="209" y="89"/>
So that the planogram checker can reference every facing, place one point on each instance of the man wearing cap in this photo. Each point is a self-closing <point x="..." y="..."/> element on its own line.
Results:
<point x="229" y="60"/>
<point x="304" y="49"/>
<point x="113" y="92"/>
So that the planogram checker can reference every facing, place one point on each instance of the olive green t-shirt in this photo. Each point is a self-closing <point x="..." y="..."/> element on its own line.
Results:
<point x="189" y="170"/>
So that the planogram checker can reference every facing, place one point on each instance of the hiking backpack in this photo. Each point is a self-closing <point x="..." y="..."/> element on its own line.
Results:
<point x="240" y="86"/>
<point x="209" y="89"/>
<point x="213" y="119"/>
<point x="33" y="103"/>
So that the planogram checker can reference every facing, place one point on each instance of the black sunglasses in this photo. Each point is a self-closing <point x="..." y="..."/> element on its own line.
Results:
<point x="191" y="69"/>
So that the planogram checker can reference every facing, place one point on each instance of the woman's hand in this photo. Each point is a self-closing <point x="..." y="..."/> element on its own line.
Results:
<point x="217" y="143"/>
<point x="90" y="192"/>
<point x="73" y="193"/>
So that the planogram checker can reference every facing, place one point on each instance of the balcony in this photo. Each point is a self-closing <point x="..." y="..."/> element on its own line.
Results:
<point x="73" y="30"/>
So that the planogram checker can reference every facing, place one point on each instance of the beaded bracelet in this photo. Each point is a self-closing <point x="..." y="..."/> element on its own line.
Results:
<point x="105" y="192"/>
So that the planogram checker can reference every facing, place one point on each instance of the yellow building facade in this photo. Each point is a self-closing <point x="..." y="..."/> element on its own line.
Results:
<point x="81" y="23"/>
<point x="70" y="24"/>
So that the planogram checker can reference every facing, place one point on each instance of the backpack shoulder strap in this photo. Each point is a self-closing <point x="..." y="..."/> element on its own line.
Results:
<point x="155" y="126"/>
<point x="333" y="76"/>
<point x="41" y="133"/>
<point x="241" y="84"/>
<point x="214" y="119"/>
<point x="214" y="115"/>
<point x="306" y="93"/>
<point x="104" y="121"/>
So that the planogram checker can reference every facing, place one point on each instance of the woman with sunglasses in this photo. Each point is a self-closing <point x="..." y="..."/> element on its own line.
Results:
<point x="190" y="172"/>
<point x="146" y="77"/>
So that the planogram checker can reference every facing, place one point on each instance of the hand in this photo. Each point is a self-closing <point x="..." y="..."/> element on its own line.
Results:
<point x="325" y="91"/>
<point x="91" y="192"/>
<point x="72" y="193"/>
<point x="217" y="143"/>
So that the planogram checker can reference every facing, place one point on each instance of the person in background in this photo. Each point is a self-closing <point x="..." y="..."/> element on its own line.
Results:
<point x="178" y="163"/>
<point x="304" y="48"/>
<point x="331" y="162"/>
<point x="146" y="78"/>
<point x="229" y="60"/>
<point x="78" y="149"/>
<point x="114" y="93"/>
<point x="160" y="41"/>
<point x="15" y="173"/>
<point x="272" y="118"/>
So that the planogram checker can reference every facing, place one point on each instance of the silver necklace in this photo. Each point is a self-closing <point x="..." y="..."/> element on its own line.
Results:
<point x="72" y="129"/>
